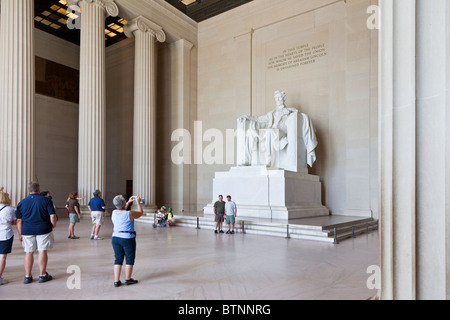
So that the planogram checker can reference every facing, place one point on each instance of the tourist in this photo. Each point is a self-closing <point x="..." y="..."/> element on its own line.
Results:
<point x="230" y="214"/>
<point x="7" y="219"/>
<point x="48" y="195"/>
<point x="124" y="238"/>
<point x="73" y="207"/>
<point x="161" y="217"/>
<point x="219" y="211"/>
<point x="36" y="220"/>
<point x="97" y="207"/>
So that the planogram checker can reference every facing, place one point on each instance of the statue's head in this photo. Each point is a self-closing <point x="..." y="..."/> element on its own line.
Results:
<point x="280" y="97"/>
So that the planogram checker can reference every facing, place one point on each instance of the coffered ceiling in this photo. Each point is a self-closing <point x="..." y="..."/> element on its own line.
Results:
<point x="199" y="10"/>
<point x="54" y="16"/>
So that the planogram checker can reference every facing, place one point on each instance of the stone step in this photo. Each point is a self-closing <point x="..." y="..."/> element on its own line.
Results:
<point x="347" y="232"/>
<point x="296" y="230"/>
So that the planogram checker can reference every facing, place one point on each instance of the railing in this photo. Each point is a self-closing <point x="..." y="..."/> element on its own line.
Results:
<point x="291" y="230"/>
<point x="353" y="232"/>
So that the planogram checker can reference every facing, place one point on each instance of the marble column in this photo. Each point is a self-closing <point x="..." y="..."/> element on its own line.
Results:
<point x="433" y="149"/>
<point x="414" y="151"/>
<point x="397" y="153"/>
<point x="92" y="105"/>
<point x="182" y="113"/>
<point x="17" y="107"/>
<point x="146" y="34"/>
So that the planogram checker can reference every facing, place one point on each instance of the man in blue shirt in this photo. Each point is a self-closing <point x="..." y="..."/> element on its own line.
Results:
<point x="97" y="207"/>
<point x="36" y="219"/>
<point x="230" y="214"/>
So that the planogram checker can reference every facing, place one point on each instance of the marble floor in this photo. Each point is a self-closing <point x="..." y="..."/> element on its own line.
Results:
<point x="190" y="264"/>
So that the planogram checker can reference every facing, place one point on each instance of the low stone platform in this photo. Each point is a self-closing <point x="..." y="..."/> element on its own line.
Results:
<point x="316" y="228"/>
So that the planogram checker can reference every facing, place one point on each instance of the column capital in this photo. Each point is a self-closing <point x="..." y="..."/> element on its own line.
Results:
<point x="183" y="43"/>
<point x="108" y="5"/>
<point x="144" y="25"/>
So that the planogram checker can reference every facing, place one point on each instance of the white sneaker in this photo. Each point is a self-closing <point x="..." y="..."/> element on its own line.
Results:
<point x="3" y="281"/>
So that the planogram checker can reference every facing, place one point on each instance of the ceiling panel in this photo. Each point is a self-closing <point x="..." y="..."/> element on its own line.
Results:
<point x="54" y="16"/>
<point x="200" y="10"/>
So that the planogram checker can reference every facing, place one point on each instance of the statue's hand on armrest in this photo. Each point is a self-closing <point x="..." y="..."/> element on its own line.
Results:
<point x="243" y="118"/>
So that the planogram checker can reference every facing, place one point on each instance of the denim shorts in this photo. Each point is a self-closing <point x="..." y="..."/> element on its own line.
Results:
<point x="73" y="218"/>
<point x="230" y="219"/>
<point x="124" y="248"/>
<point x="6" y="246"/>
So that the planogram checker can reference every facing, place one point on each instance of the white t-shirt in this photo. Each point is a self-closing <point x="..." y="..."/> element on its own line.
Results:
<point x="229" y="208"/>
<point x="7" y="216"/>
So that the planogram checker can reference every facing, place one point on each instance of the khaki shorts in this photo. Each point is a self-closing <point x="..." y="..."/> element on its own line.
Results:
<point x="41" y="242"/>
<point x="219" y="217"/>
<point x="97" y="217"/>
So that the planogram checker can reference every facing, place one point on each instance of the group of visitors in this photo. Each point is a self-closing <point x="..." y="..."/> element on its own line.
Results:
<point x="35" y="218"/>
<point x="163" y="217"/>
<point x="224" y="210"/>
<point x="96" y="205"/>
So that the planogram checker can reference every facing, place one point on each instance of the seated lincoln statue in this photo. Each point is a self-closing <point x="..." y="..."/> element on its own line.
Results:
<point x="273" y="154"/>
<point x="281" y="139"/>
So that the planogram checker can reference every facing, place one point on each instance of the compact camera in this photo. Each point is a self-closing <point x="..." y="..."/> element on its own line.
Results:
<point x="134" y="198"/>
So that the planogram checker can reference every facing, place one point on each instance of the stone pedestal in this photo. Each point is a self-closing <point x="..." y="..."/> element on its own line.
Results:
<point x="270" y="194"/>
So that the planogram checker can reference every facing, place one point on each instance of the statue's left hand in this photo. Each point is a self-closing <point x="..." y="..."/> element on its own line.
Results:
<point x="243" y="118"/>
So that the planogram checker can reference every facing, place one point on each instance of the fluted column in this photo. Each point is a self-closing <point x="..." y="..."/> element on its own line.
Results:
<point x="92" y="105"/>
<point x="414" y="149"/>
<point x="181" y="114"/>
<point x="433" y="149"/>
<point x="17" y="108"/>
<point x="398" y="149"/>
<point x="146" y="34"/>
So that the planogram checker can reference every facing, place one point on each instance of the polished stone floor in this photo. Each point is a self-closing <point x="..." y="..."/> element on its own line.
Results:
<point x="190" y="264"/>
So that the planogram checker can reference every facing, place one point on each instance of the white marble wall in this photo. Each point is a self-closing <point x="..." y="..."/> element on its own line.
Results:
<point x="56" y="125"/>
<point x="119" y="117"/>
<point x="338" y="91"/>
<point x="56" y="147"/>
